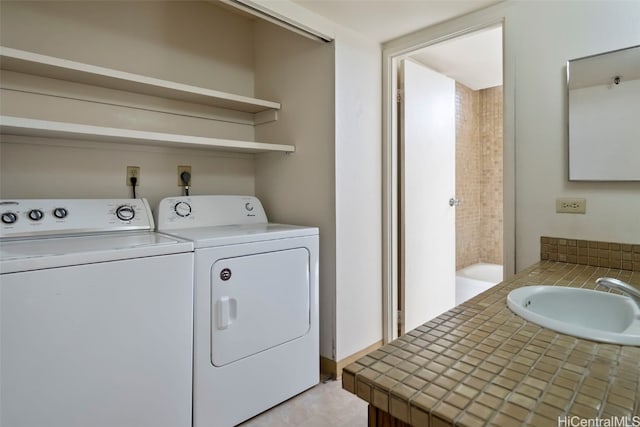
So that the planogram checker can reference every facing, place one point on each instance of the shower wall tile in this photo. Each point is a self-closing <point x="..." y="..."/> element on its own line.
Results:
<point x="491" y="141"/>
<point x="468" y="177"/>
<point x="478" y="175"/>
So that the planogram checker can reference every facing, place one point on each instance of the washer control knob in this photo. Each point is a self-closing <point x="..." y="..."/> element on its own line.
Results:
<point x="182" y="209"/>
<point x="9" y="218"/>
<point x="125" y="213"/>
<point x="60" y="213"/>
<point x="36" y="214"/>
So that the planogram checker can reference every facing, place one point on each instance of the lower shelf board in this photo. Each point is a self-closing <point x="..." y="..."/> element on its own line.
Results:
<point x="50" y="129"/>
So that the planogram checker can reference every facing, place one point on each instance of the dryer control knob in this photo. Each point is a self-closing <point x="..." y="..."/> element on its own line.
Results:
<point x="36" y="214"/>
<point x="182" y="209"/>
<point x="125" y="213"/>
<point x="9" y="218"/>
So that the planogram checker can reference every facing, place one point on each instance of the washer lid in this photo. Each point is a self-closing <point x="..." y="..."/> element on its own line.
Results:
<point x="35" y="254"/>
<point x="236" y="234"/>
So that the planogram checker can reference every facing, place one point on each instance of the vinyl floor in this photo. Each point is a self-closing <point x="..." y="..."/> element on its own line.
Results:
<point x="325" y="405"/>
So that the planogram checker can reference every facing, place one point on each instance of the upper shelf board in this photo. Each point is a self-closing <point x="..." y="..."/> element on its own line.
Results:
<point x="49" y="129"/>
<point x="57" y="68"/>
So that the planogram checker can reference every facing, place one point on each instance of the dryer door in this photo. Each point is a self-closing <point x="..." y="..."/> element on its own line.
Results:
<point x="258" y="301"/>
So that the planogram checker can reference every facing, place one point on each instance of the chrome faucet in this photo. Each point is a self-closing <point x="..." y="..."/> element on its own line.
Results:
<point x="621" y="286"/>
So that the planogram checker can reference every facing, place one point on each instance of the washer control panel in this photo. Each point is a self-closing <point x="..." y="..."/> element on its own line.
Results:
<point x="35" y="217"/>
<point x="207" y="211"/>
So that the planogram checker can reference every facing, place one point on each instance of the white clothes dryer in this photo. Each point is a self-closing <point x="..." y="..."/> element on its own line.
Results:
<point x="95" y="316"/>
<point x="256" y="339"/>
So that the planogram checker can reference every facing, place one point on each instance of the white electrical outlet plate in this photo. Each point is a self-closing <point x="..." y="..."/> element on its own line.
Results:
<point x="571" y="205"/>
<point x="131" y="172"/>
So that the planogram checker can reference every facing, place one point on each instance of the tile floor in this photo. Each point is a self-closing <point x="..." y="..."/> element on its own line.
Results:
<point x="324" y="405"/>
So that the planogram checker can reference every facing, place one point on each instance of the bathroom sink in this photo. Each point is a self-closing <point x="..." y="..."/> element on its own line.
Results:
<point x="583" y="313"/>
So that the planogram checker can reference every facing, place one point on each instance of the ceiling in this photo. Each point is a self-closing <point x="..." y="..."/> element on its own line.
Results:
<point x="384" y="20"/>
<point x="474" y="59"/>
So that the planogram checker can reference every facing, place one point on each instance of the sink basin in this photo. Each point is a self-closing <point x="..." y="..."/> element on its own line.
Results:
<point x="583" y="313"/>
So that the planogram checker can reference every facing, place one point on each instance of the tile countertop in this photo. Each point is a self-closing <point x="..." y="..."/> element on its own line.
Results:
<point x="479" y="364"/>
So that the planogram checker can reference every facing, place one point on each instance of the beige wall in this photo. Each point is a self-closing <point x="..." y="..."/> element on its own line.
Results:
<point x="196" y="43"/>
<point x="39" y="168"/>
<point x="479" y="217"/>
<point x="187" y="42"/>
<point x="357" y="182"/>
<point x="300" y="188"/>
<point x="541" y="37"/>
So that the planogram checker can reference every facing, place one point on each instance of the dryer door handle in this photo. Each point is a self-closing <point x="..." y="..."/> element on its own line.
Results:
<point x="227" y="309"/>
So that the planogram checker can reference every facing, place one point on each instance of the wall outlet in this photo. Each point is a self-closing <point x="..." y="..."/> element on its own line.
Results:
<point x="133" y="171"/>
<point x="180" y="170"/>
<point x="571" y="205"/>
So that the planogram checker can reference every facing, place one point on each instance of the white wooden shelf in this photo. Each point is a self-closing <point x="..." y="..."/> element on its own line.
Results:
<point x="49" y="129"/>
<point x="57" y="68"/>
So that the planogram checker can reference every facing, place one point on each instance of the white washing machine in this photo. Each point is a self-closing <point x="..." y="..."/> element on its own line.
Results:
<point x="256" y="339"/>
<point x="95" y="316"/>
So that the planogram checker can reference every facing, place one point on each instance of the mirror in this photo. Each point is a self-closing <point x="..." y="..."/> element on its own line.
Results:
<point x="604" y="116"/>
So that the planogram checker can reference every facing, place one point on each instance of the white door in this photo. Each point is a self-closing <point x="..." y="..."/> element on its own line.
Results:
<point x="427" y="183"/>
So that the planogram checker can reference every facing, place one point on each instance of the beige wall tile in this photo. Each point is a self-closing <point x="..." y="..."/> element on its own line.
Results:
<point x="479" y="217"/>
<point x="599" y="254"/>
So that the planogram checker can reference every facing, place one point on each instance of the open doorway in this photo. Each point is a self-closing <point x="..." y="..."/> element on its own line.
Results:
<point x="450" y="174"/>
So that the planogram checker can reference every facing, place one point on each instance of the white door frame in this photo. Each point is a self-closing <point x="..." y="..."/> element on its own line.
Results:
<point x="392" y="52"/>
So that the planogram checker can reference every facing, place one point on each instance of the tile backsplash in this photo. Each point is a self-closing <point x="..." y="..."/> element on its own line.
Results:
<point x="623" y="256"/>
